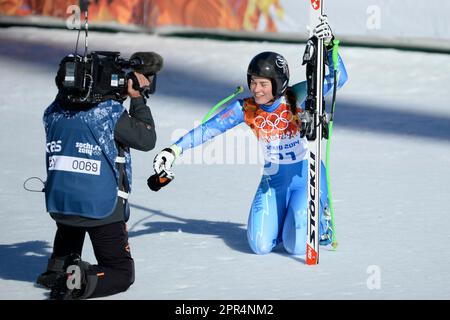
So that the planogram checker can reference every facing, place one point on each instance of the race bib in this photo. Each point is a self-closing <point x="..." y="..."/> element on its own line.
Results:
<point x="74" y="164"/>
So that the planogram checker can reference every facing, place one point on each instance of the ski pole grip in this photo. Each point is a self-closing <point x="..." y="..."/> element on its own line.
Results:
<point x="156" y="182"/>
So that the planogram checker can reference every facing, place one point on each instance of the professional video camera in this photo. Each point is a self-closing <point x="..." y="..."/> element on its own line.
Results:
<point x="103" y="75"/>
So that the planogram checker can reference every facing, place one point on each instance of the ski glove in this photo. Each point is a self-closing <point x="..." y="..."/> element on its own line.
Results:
<point x="323" y="31"/>
<point x="162" y="164"/>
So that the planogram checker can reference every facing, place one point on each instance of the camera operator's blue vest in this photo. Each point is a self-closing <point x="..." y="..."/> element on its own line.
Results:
<point x="81" y="157"/>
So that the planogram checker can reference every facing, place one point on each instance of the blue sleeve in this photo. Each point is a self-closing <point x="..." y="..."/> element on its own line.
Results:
<point x="301" y="91"/>
<point x="329" y="78"/>
<point x="221" y="122"/>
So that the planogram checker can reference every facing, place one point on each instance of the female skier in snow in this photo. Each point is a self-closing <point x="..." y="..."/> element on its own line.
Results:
<point x="274" y="113"/>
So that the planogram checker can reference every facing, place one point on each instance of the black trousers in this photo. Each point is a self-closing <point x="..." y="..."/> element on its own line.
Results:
<point x="115" y="266"/>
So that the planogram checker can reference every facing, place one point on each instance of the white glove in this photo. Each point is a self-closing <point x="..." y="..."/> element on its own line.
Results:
<point x="164" y="160"/>
<point x="323" y="30"/>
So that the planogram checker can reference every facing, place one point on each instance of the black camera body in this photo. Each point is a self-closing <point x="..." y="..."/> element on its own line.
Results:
<point x="104" y="75"/>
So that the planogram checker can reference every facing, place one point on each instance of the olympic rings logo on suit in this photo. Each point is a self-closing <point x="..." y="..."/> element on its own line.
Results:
<point x="273" y="121"/>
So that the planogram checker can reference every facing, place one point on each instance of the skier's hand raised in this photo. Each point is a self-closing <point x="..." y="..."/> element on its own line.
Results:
<point x="323" y="31"/>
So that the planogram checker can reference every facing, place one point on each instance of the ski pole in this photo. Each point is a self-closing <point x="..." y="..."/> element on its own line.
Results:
<point x="335" y="56"/>
<point x="234" y="94"/>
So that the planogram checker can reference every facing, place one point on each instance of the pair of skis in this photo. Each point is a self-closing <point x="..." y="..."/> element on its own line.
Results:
<point x="322" y="128"/>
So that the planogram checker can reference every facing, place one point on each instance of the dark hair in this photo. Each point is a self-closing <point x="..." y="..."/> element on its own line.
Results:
<point x="291" y="98"/>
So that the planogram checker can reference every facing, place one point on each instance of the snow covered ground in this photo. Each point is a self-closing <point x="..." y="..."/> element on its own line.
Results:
<point x="390" y="166"/>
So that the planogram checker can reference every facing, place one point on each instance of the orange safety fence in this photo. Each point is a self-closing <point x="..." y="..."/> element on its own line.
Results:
<point x="235" y="15"/>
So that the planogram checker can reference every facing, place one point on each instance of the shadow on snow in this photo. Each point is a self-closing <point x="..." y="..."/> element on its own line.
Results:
<point x="23" y="261"/>
<point x="233" y="234"/>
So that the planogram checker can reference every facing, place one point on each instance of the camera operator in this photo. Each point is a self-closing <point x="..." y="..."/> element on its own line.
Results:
<point x="88" y="182"/>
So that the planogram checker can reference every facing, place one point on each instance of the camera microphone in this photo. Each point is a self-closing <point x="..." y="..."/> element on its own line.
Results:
<point x="147" y="63"/>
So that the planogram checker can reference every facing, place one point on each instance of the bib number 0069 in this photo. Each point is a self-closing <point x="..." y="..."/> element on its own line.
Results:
<point x="74" y="164"/>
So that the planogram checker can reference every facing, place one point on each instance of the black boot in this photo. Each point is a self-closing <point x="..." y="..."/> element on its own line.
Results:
<point x="55" y="267"/>
<point x="75" y="283"/>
